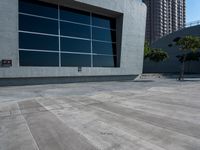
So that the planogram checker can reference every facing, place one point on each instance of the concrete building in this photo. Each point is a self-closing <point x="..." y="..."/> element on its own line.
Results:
<point x="164" y="17"/>
<point x="172" y="65"/>
<point x="70" y="40"/>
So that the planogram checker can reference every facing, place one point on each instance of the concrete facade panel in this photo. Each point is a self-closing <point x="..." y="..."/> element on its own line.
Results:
<point x="9" y="31"/>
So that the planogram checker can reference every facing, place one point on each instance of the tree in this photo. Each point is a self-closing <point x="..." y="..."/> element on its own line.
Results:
<point x="192" y="56"/>
<point x="147" y="49"/>
<point x="154" y="54"/>
<point x="187" y="44"/>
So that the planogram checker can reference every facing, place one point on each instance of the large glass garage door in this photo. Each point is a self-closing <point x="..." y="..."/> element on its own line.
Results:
<point x="51" y="35"/>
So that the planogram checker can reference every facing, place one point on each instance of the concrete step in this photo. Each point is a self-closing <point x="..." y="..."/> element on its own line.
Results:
<point x="167" y="75"/>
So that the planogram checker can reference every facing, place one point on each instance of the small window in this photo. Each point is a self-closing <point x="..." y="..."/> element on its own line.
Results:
<point x="176" y="39"/>
<point x="76" y="60"/>
<point x="38" y="8"/>
<point x="75" y="30"/>
<point x="104" y="61"/>
<point x="35" y="24"/>
<point x="75" y="45"/>
<point x="104" y="22"/>
<point x="104" y="48"/>
<point x="103" y="34"/>
<point x="38" y="42"/>
<point x="73" y="15"/>
<point x="37" y="59"/>
<point x="170" y="45"/>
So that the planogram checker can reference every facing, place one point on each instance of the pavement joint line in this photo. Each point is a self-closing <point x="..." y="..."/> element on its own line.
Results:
<point x="40" y="111"/>
<point x="21" y="100"/>
<point x="169" y="103"/>
<point x="154" y="125"/>
<point x="103" y="110"/>
<point x="139" y="138"/>
<point x="89" y="141"/>
<point x="143" y="121"/>
<point x="29" y="129"/>
<point x="34" y="112"/>
<point x="160" y="102"/>
<point x="99" y="102"/>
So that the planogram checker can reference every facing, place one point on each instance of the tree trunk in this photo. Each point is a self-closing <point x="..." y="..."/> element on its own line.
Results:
<point x="181" y="77"/>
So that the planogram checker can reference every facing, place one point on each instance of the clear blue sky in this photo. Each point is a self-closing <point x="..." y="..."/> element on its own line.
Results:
<point x="192" y="10"/>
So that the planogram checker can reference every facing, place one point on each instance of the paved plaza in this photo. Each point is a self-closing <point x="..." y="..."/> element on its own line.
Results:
<point x="157" y="114"/>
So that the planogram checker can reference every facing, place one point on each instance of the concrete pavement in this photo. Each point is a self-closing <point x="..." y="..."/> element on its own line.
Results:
<point x="158" y="114"/>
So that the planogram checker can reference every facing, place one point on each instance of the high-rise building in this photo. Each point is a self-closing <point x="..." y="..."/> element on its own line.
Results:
<point x="164" y="17"/>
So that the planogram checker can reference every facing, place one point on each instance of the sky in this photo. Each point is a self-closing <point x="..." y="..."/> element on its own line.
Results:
<point x="192" y="10"/>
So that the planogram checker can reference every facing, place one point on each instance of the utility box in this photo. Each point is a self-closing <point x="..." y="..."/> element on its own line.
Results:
<point x="6" y="63"/>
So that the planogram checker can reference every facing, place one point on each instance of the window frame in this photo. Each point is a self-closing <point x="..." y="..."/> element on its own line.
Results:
<point x="60" y="36"/>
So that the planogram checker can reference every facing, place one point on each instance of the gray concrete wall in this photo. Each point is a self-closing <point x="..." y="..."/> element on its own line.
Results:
<point x="62" y="80"/>
<point x="172" y="65"/>
<point x="133" y="33"/>
<point x="8" y="32"/>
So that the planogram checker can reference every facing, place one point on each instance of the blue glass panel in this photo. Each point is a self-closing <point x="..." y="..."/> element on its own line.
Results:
<point x="74" y="45"/>
<point x="75" y="30"/>
<point x="103" y="34"/>
<point x="75" y="60"/>
<point x="38" y="8"/>
<point x="30" y="58"/>
<point x="40" y="42"/>
<point x="104" y="48"/>
<point x="102" y="21"/>
<point x="74" y="15"/>
<point x="35" y="24"/>
<point x="104" y="61"/>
